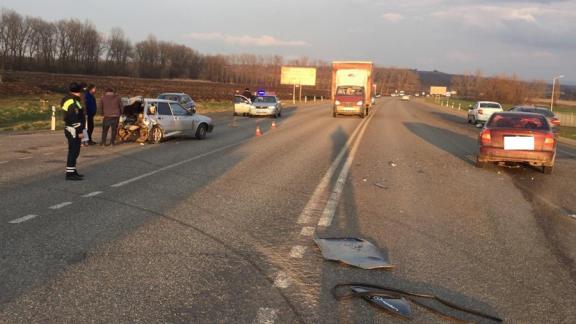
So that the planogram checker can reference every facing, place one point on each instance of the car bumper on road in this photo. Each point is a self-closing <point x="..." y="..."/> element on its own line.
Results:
<point x="348" y="110"/>
<point x="490" y="154"/>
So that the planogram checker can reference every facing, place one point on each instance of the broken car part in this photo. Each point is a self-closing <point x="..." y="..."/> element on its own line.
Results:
<point x="353" y="251"/>
<point x="392" y="300"/>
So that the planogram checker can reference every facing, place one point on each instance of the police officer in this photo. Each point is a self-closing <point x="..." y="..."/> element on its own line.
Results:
<point x="74" y="122"/>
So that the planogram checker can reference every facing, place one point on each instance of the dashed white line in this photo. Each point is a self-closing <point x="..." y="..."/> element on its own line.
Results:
<point x="92" y="194"/>
<point x="61" y="205"/>
<point x="48" y="153"/>
<point x="22" y="219"/>
<point x="25" y="158"/>
<point x="307" y="231"/>
<point x="266" y="316"/>
<point x="297" y="252"/>
<point x="282" y="281"/>
<point x="120" y="184"/>
<point x="2" y="162"/>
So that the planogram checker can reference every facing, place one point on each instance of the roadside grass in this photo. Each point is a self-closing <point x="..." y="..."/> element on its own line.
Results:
<point x="33" y="112"/>
<point x="568" y="132"/>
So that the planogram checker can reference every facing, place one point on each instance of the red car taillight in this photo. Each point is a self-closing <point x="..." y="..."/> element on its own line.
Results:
<point x="549" y="142"/>
<point x="480" y="112"/>
<point x="555" y="121"/>
<point x="486" y="137"/>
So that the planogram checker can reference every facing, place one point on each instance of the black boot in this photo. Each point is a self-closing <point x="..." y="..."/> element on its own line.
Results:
<point x="78" y="174"/>
<point x="73" y="177"/>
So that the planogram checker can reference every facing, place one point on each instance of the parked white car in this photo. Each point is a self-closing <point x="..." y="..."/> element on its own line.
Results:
<point x="481" y="111"/>
<point x="266" y="106"/>
<point x="241" y="105"/>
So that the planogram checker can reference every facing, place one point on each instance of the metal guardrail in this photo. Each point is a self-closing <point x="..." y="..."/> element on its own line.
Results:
<point x="567" y="119"/>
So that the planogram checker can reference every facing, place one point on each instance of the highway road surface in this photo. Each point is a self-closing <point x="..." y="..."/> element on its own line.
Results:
<point x="220" y="230"/>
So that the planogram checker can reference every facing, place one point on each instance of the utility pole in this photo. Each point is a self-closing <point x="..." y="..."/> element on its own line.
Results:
<point x="553" y="91"/>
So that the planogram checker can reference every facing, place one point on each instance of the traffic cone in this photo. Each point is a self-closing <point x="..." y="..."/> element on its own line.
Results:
<point x="258" y="132"/>
<point x="273" y="124"/>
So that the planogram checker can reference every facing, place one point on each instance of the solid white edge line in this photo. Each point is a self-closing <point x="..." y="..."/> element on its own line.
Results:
<point x="25" y="158"/>
<point x="332" y="204"/>
<point x="92" y="194"/>
<point x="145" y="175"/>
<point x="22" y="219"/>
<point x="307" y="231"/>
<point x="266" y="315"/>
<point x="311" y="207"/>
<point x="61" y="205"/>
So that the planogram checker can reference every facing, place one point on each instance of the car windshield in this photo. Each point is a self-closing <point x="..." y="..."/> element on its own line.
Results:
<point x="170" y="97"/>
<point x="265" y="99"/>
<point x="518" y="121"/>
<point x="490" y="105"/>
<point x="350" y="91"/>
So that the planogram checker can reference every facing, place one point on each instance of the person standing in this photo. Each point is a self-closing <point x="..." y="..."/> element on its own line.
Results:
<point x="91" y="109"/>
<point x="248" y="94"/>
<point x="73" y="126"/>
<point x="111" y="109"/>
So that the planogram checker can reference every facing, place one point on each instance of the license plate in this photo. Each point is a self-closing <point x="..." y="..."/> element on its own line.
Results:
<point x="519" y="143"/>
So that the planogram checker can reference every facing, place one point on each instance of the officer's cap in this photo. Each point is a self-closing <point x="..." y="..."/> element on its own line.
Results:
<point x="75" y="87"/>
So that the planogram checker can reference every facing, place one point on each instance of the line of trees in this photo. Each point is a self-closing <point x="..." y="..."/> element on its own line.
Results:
<point x="71" y="46"/>
<point x="502" y="88"/>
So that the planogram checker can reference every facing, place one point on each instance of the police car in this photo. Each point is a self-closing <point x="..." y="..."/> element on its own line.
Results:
<point x="266" y="104"/>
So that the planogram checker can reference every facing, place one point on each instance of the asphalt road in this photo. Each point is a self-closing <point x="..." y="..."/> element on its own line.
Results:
<point x="221" y="230"/>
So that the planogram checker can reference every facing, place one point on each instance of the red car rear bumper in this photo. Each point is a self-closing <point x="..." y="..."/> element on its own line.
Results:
<point x="491" y="154"/>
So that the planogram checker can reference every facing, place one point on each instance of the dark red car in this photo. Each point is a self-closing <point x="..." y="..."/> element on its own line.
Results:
<point x="517" y="137"/>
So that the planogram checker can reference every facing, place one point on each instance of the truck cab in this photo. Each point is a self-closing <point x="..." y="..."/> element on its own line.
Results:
<point x="349" y="100"/>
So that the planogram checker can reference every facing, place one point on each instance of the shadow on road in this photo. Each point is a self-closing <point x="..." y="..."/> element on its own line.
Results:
<point x="460" y="146"/>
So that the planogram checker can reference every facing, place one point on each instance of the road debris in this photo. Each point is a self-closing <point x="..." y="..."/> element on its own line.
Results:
<point x="353" y="251"/>
<point x="380" y="185"/>
<point x="392" y="164"/>
<point x="396" y="301"/>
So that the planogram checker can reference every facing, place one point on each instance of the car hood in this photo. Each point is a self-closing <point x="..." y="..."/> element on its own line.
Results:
<point x="204" y="119"/>
<point x="263" y="104"/>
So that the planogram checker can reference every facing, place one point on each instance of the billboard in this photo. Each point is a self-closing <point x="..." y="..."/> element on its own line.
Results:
<point x="298" y="76"/>
<point x="438" y="91"/>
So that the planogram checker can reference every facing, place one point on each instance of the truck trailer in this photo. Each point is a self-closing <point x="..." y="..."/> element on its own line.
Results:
<point x="351" y="88"/>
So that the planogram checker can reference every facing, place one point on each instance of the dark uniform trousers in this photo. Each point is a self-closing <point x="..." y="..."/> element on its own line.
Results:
<point x="74" y="144"/>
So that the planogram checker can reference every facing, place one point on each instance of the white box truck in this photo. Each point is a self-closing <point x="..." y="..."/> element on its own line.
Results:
<point x="351" y="88"/>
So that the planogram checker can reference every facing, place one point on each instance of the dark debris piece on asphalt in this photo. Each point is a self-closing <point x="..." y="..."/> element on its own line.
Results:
<point x="395" y="301"/>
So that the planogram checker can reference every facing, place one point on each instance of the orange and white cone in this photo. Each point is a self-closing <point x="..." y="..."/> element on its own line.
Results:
<point x="258" y="132"/>
<point x="273" y="124"/>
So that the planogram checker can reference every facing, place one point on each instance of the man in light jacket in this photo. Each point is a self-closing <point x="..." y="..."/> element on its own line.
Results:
<point x="111" y="109"/>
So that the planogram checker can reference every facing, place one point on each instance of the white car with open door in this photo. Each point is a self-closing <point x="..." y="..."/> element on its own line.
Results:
<point x="168" y="118"/>
<point x="241" y="105"/>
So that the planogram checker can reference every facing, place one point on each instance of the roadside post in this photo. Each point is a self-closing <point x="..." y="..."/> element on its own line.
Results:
<point x="53" y="119"/>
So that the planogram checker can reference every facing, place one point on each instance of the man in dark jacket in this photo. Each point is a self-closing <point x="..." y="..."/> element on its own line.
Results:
<point x="91" y="109"/>
<point x="73" y="126"/>
<point x="111" y="109"/>
<point x="248" y="94"/>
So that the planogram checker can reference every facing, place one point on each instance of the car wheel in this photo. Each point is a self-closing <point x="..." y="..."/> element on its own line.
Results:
<point x="156" y="135"/>
<point x="201" y="131"/>
<point x="481" y="164"/>
<point x="473" y="120"/>
<point x="234" y="114"/>
<point x="547" y="169"/>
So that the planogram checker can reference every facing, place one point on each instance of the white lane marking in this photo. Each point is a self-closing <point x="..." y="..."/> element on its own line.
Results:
<point x="25" y="158"/>
<point x="332" y="204"/>
<point x="567" y="153"/>
<point x="2" y="162"/>
<point x="282" y="280"/>
<point x="120" y="184"/>
<point x="307" y="231"/>
<point x="48" y="153"/>
<point x="22" y="219"/>
<point x="266" y="316"/>
<point x="92" y="194"/>
<point x="297" y="252"/>
<point x="61" y="205"/>
<point x="314" y="206"/>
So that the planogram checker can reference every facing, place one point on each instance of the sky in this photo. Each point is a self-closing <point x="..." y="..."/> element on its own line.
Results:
<point x="535" y="39"/>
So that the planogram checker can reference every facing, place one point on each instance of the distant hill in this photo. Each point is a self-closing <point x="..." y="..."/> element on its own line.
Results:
<point x="437" y="78"/>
